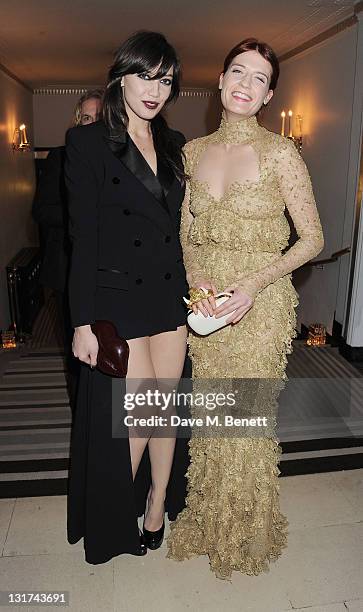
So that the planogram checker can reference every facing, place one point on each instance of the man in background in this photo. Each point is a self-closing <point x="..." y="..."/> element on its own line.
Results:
<point x="88" y="107"/>
<point x="50" y="211"/>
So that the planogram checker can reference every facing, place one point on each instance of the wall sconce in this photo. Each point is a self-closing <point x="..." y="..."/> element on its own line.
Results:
<point x="317" y="335"/>
<point x="297" y="139"/>
<point x="8" y="340"/>
<point x="20" y="140"/>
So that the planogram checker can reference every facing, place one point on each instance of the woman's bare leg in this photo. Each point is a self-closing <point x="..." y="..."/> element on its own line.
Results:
<point x="167" y="354"/>
<point x="140" y="367"/>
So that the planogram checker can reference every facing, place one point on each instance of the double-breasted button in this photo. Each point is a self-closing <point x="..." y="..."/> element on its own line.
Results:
<point x="167" y="276"/>
<point x="115" y="180"/>
<point x="137" y="242"/>
<point x="138" y="281"/>
<point x="126" y="211"/>
<point x="167" y="238"/>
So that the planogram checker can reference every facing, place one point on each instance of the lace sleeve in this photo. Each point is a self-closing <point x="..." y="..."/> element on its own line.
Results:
<point x="296" y="190"/>
<point x="193" y="271"/>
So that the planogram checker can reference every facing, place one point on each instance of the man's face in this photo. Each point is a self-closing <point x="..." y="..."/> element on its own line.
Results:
<point x="90" y="111"/>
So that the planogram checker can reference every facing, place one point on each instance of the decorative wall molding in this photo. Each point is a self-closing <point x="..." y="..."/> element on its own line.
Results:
<point x="339" y="27"/>
<point x="60" y="91"/>
<point x="198" y="93"/>
<point x="5" y="70"/>
<point x="338" y="3"/>
<point x="78" y="91"/>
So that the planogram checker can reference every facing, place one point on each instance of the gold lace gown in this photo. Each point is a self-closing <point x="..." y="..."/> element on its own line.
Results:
<point x="232" y="512"/>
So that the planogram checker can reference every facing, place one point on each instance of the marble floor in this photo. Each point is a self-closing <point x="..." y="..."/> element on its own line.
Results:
<point x="321" y="570"/>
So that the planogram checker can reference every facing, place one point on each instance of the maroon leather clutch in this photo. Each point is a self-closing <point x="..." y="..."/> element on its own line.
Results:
<point x="113" y="351"/>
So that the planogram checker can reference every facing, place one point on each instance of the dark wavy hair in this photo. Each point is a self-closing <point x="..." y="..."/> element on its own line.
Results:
<point x="143" y="52"/>
<point x="252" y="44"/>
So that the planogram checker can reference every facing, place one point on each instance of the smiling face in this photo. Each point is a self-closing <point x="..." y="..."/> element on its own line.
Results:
<point x="245" y="85"/>
<point x="145" y="96"/>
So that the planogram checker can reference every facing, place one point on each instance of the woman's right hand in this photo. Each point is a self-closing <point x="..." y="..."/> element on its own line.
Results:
<point x="85" y="345"/>
<point x="208" y="305"/>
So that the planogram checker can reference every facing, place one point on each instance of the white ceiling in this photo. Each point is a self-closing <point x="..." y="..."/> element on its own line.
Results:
<point x="70" y="42"/>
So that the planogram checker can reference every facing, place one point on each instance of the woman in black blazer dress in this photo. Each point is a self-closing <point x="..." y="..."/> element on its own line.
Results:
<point x="125" y="182"/>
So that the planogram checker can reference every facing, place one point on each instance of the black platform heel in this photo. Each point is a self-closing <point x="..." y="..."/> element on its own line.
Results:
<point x="154" y="539"/>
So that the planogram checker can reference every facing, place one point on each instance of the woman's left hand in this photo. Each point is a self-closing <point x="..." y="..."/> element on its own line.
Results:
<point x="240" y="302"/>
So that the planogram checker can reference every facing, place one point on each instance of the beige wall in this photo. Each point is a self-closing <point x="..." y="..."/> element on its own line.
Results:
<point x="319" y="85"/>
<point x="52" y="117"/>
<point x="194" y="114"/>
<point x="16" y="181"/>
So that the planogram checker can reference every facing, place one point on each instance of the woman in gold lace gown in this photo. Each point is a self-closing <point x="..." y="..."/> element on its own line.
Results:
<point x="242" y="177"/>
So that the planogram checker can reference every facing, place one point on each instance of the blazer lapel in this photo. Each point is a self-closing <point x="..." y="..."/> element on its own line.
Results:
<point x="165" y="176"/>
<point x="129" y="155"/>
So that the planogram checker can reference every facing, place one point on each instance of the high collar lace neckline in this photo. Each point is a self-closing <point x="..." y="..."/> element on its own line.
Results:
<point x="237" y="132"/>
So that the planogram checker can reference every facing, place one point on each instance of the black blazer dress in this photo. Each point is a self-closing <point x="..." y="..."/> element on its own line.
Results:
<point x="126" y="263"/>
<point x="126" y="266"/>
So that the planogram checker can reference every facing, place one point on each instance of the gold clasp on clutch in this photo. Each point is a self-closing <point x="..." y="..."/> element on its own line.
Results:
<point x="197" y="294"/>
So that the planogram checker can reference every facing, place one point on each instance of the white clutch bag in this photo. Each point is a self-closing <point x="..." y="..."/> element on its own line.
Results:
<point x="206" y="325"/>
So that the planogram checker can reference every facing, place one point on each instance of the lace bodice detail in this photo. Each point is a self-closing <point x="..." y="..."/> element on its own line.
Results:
<point x="250" y="217"/>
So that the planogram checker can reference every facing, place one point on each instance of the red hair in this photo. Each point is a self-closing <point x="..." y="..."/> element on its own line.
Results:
<point x="252" y="44"/>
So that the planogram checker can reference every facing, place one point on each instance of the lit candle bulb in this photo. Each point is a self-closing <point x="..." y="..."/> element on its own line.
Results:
<point x="283" y="115"/>
<point x="290" y="124"/>
<point x="23" y="137"/>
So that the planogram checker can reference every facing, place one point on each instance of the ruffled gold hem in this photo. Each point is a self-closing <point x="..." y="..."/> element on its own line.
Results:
<point x="232" y="512"/>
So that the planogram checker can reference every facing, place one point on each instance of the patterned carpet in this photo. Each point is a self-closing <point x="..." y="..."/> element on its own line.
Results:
<point x="35" y="421"/>
<point x="320" y="415"/>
